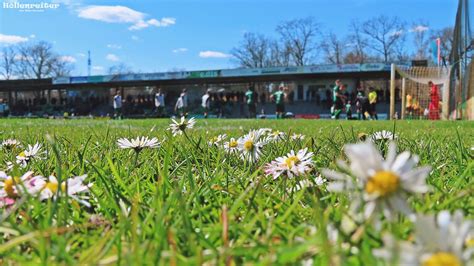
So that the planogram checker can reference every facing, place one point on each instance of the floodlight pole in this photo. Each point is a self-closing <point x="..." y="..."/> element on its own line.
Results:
<point x="404" y="93"/>
<point x="392" y="91"/>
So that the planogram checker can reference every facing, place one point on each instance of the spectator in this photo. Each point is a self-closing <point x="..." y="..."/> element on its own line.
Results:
<point x="160" y="103"/>
<point x="117" y="105"/>
<point x="206" y="102"/>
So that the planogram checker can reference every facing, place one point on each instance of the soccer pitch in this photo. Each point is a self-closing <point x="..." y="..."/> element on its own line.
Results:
<point x="195" y="199"/>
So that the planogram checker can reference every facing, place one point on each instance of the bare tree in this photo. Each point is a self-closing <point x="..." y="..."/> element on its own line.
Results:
<point x="253" y="51"/>
<point x="400" y="53"/>
<point x="38" y="60"/>
<point x="280" y="54"/>
<point x="358" y="42"/>
<point x="446" y="36"/>
<point x="301" y="36"/>
<point x="384" y="33"/>
<point x="7" y="65"/>
<point x="420" y="40"/>
<point x="120" y="69"/>
<point x="333" y="49"/>
<point x="61" y="67"/>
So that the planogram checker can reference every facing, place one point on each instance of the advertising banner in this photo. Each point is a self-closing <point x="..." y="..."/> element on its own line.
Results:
<point x="75" y="80"/>
<point x="61" y="80"/>
<point x="204" y="74"/>
<point x="240" y="72"/>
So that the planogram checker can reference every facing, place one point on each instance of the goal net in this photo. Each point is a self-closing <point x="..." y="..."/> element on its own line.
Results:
<point x="419" y="100"/>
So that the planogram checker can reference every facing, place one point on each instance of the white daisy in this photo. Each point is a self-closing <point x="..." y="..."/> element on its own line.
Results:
<point x="71" y="187"/>
<point x="138" y="144"/>
<point x="383" y="135"/>
<point x="13" y="187"/>
<point x="442" y="240"/>
<point x="217" y="140"/>
<point x="177" y="128"/>
<point x="10" y="143"/>
<point x="276" y="136"/>
<point x="231" y="146"/>
<point x="297" y="136"/>
<point x="379" y="184"/>
<point x="291" y="165"/>
<point x="309" y="182"/>
<point x="27" y="155"/>
<point x="250" y="146"/>
<point x="264" y="131"/>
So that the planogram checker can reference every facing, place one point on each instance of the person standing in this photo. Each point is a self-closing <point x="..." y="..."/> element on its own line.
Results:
<point x="160" y="103"/>
<point x="206" y="102"/>
<point x="279" y="97"/>
<point x="181" y="104"/>
<point x="3" y="108"/>
<point x="337" y="99"/>
<point x="117" y="105"/>
<point x="251" y="103"/>
<point x="184" y="94"/>
<point x="373" y="103"/>
<point x="348" y="110"/>
<point x="433" y="107"/>
<point x="362" y="104"/>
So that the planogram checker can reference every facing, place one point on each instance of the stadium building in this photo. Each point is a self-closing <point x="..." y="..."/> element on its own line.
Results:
<point x="309" y="90"/>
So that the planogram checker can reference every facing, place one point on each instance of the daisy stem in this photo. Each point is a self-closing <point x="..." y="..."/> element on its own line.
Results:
<point x="192" y="141"/>
<point x="136" y="159"/>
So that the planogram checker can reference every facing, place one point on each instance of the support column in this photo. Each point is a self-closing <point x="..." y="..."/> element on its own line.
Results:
<point x="403" y="96"/>
<point x="392" y="92"/>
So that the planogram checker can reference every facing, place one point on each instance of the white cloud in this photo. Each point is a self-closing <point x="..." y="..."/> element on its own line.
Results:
<point x="81" y="54"/>
<point x="180" y="50"/>
<point x="397" y="33"/>
<point x="98" y="70"/>
<point x="213" y="54"/>
<point x="32" y="36"/>
<point x="123" y="14"/>
<point x="139" y="25"/>
<point x="67" y="58"/>
<point x="164" y="22"/>
<point x="114" y="46"/>
<point x="419" y="28"/>
<point x="12" y="39"/>
<point x="111" y="14"/>
<point x="21" y="57"/>
<point x="112" y="57"/>
<point x="135" y="38"/>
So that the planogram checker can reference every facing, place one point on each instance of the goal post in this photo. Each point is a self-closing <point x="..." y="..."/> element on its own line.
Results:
<point x="417" y="100"/>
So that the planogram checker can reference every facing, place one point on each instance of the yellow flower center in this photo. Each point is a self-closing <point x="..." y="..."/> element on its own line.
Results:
<point x="22" y="154"/>
<point x="442" y="259"/>
<point x="382" y="183"/>
<point x="470" y="242"/>
<point x="362" y="136"/>
<point x="291" y="161"/>
<point x="233" y="144"/>
<point x="53" y="186"/>
<point x="248" y="145"/>
<point x="9" y="186"/>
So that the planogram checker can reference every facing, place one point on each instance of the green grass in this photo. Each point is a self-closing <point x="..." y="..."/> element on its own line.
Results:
<point x="181" y="196"/>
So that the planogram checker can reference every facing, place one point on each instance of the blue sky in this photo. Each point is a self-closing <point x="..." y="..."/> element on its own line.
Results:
<point x="162" y="35"/>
